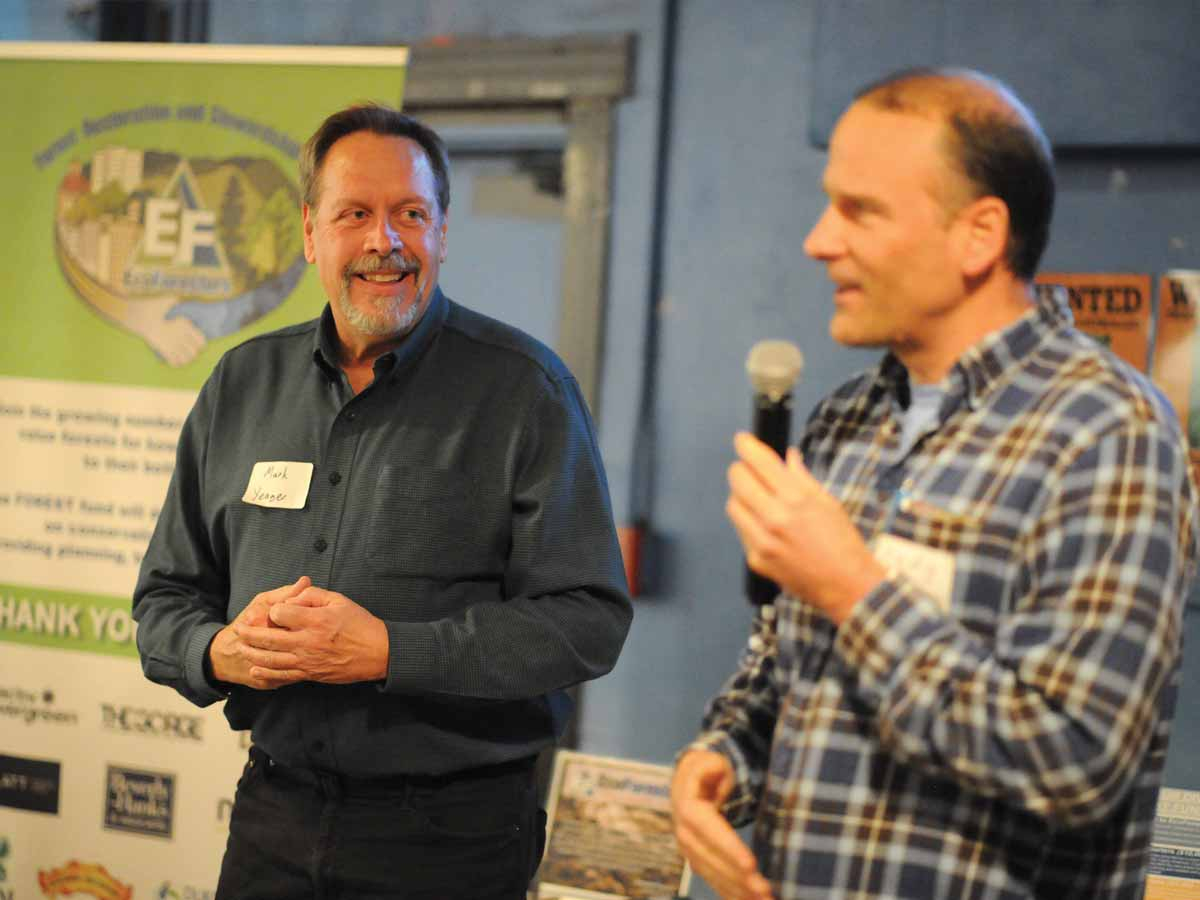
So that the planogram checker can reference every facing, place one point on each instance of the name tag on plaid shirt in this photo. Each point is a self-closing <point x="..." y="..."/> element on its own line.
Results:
<point x="931" y="570"/>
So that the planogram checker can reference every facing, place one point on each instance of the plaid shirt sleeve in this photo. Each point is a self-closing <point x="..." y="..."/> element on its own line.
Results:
<point x="740" y="721"/>
<point x="1054" y="715"/>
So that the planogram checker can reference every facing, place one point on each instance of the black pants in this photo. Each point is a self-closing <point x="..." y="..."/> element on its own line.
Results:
<point x="296" y="833"/>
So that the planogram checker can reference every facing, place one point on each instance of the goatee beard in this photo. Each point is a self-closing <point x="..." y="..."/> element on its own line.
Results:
<point x="385" y="320"/>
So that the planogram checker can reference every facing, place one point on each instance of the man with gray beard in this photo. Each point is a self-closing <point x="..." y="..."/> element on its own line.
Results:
<point x="388" y="547"/>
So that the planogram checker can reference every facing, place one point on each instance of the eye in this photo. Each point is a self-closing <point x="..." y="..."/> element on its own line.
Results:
<point x="851" y="208"/>
<point x="413" y="215"/>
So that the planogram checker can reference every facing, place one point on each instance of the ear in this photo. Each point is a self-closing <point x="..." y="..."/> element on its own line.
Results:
<point x="442" y="237"/>
<point x="310" y="252"/>
<point x="981" y="235"/>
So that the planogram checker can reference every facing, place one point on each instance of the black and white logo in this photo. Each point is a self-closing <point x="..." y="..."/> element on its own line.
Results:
<point x="139" y="801"/>
<point x="32" y="784"/>
<point x="151" y="722"/>
<point x="34" y="707"/>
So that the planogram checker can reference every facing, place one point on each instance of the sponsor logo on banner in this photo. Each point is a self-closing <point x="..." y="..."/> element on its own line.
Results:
<point x="30" y="707"/>
<point x="179" y="250"/>
<point x="30" y="784"/>
<point x="170" y="891"/>
<point x="139" y="801"/>
<point x="90" y="879"/>
<point x="152" y="722"/>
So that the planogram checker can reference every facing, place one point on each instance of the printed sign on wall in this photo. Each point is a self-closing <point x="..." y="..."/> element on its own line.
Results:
<point x="1114" y="308"/>
<point x="1176" y="346"/>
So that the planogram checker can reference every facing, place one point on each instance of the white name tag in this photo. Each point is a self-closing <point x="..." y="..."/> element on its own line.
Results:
<point x="282" y="485"/>
<point x="930" y="569"/>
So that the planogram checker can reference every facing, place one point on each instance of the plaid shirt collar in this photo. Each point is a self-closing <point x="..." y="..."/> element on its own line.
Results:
<point x="985" y="363"/>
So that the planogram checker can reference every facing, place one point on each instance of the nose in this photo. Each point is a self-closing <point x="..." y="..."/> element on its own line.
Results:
<point x="381" y="238"/>
<point x="823" y="241"/>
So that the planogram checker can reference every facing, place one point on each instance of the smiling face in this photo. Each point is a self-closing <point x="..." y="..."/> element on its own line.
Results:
<point x="888" y="240"/>
<point x="377" y="235"/>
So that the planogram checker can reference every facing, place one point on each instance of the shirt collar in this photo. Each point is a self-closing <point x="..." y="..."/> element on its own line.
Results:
<point x="981" y="366"/>
<point x="325" y="341"/>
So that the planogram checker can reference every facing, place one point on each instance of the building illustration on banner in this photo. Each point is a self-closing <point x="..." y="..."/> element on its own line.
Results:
<point x="179" y="251"/>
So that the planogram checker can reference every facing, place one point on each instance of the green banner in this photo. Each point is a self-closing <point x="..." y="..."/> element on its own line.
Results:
<point x="151" y="221"/>
<point x="66" y="620"/>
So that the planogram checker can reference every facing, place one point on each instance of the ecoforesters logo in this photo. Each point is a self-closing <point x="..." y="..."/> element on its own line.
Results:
<point x="179" y="250"/>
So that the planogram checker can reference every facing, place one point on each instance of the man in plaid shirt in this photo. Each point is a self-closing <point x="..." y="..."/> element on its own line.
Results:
<point x="984" y="545"/>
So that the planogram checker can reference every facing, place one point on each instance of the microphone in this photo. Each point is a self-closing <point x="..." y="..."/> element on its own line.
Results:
<point x="773" y="367"/>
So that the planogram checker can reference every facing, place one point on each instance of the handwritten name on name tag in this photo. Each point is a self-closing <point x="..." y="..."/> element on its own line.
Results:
<point x="930" y="569"/>
<point x="280" y="485"/>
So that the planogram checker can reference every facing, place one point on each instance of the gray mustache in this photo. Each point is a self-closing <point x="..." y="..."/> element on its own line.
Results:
<point x="394" y="261"/>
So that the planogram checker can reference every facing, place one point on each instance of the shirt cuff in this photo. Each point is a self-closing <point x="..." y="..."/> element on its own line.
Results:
<point x="739" y="807"/>
<point x="415" y="660"/>
<point x="196" y="668"/>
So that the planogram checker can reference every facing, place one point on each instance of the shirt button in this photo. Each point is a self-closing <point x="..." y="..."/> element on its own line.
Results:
<point x="319" y="545"/>
<point x="351" y="415"/>
<point x="335" y="477"/>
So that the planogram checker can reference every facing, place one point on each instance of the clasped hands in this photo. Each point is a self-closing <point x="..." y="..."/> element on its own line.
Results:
<point x="300" y="632"/>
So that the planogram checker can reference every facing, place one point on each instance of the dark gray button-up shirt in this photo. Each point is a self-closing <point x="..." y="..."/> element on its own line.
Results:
<point x="460" y="498"/>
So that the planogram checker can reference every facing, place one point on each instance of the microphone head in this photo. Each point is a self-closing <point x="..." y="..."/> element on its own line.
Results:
<point x="773" y="367"/>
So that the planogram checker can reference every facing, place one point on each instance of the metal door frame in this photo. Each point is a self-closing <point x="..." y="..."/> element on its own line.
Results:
<point x="580" y="78"/>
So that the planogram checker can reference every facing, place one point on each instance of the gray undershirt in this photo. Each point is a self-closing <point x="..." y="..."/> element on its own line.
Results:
<point x="921" y="416"/>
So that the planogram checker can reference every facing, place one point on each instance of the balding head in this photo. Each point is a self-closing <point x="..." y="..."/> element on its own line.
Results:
<point x="992" y="141"/>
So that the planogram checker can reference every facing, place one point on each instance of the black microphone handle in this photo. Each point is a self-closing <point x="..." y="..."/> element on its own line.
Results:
<point x="773" y="421"/>
<point x="772" y="426"/>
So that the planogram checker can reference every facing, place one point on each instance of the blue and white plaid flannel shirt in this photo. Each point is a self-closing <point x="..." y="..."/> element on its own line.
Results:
<point x="1013" y="746"/>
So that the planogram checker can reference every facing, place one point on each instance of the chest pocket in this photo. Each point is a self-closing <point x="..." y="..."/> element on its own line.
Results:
<point x="434" y="524"/>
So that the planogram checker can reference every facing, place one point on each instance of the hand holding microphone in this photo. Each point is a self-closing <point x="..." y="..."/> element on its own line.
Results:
<point x="773" y="367"/>
<point x="791" y="526"/>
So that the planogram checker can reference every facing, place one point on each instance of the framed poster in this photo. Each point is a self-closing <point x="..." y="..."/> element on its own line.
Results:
<point x="1175" y="847"/>
<point x="610" y="835"/>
